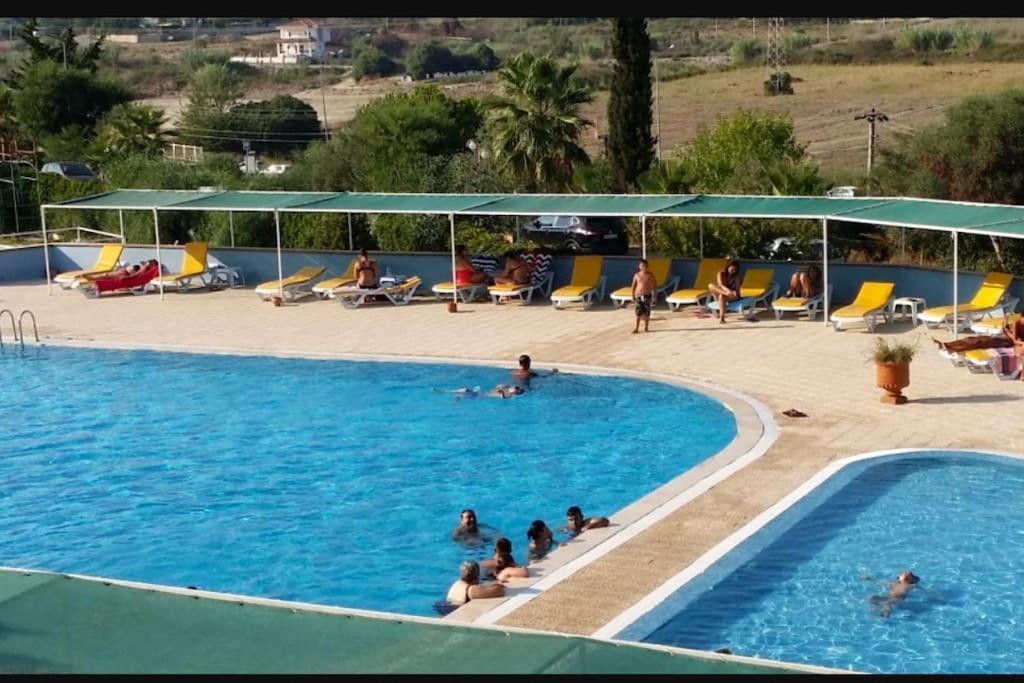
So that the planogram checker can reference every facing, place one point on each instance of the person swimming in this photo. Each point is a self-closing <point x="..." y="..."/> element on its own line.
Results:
<point x="469" y="530"/>
<point x="899" y="590"/>
<point x="499" y="391"/>
<point x="541" y="539"/>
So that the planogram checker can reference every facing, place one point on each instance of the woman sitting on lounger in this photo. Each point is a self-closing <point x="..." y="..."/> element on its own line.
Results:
<point x="366" y="271"/>
<point x="517" y="271"/>
<point x="465" y="273"/>
<point x="727" y="287"/>
<point x="805" y="283"/>
<point x="1012" y="337"/>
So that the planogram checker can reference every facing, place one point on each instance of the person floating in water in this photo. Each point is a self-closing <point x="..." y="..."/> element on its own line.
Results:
<point x="523" y="374"/>
<point x="469" y="530"/>
<point x="499" y="391"/>
<point x="576" y="523"/>
<point x="899" y="589"/>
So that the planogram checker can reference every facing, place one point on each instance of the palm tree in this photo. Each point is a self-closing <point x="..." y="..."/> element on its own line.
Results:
<point x="131" y="129"/>
<point x="534" y="126"/>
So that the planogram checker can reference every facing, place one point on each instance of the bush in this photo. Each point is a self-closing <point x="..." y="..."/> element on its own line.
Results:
<point x="404" y="232"/>
<point x="971" y="40"/>
<point x="894" y="352"/>
<point x="744" y="51"/>
<point x="919" y="41"/>
<point x="368" y="60"/>
<point x="797" y="41"/>
<point x="779" y="84"/>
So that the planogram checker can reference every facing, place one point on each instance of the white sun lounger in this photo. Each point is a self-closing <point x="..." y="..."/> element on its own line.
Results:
<point x="400" y="294"/>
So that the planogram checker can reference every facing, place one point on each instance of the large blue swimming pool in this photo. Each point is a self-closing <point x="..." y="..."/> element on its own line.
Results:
<point x="323" y="481"/>
<point x="955" y="520"/>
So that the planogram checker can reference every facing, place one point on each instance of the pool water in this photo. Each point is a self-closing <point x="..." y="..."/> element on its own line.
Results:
<point x="323" y="481"/>
<point x="956" y="521"/>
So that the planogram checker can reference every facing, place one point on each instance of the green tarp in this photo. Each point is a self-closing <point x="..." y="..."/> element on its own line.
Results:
<point x="56" y="624"/>
<point x="915" y="213"/>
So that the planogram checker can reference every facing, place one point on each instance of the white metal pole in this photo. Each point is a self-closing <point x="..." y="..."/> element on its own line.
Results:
<point x="351" y="244"/>
<point x="956" y="285"/>
<point x="280" y="270"/>
<point x="231" y="227"/>
<point x="120" y="222"/>
<point x="824" y="263"/>
<point x="46" y="251"/>
<point x="156" y="233"/>
<point x="643" y="236"/>
<point x="455" y="286"/>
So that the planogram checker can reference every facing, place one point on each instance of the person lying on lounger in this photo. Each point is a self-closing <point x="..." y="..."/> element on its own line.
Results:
<point x="899" y="589"/>
<point x="726" y="288"/>
<point x="1012" y="335"/>
<point x="576" y="523"/>
<point x="516" y="272"/>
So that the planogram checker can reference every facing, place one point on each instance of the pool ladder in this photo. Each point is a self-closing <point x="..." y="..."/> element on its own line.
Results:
<point x="18" y="330"/>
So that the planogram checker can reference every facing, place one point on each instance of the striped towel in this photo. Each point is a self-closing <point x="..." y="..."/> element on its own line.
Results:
<point x="1005" y="362"/>
<point x="539" y="266"/>
<point x="485" y="263"/>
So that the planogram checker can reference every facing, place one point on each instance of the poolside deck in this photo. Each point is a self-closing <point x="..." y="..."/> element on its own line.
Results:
<point x="785" y="364"/>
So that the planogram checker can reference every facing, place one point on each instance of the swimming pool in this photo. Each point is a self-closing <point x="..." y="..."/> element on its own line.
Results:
<point x="795" y="594"/>
<point x="323" y="481"/>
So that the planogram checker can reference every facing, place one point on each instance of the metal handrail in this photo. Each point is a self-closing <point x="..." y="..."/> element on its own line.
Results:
<point x="14" y="328"/>
<point x="21" y="331"/>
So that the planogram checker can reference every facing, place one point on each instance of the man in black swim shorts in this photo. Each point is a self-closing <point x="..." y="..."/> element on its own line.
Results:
<point x="643" y="289"/>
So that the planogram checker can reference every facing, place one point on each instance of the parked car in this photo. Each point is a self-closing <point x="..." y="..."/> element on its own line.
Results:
<point x="791" y="249"/>
<point x="579" y="234"/>
<point x="72" y="170"/>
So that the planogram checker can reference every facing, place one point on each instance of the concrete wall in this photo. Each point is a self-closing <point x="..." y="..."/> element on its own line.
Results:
<point x="259" y="265"/>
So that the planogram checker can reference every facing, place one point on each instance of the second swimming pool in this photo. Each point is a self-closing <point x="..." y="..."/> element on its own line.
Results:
<point x="323" y="481"/>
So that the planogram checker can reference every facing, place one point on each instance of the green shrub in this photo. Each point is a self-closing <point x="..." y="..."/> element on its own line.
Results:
<point x="743" y="51"/>
<point x="797" y="41"/>
<point x="892" y="352"/>
<point x="970" y="40"/>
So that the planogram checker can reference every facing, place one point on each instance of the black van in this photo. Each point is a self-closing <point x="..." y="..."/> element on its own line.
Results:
<point x="579" y="234"/>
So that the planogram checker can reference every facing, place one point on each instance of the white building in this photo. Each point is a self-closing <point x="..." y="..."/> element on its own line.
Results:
<point x="302" y="39"/>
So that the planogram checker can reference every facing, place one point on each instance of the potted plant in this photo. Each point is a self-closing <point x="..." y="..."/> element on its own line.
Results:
<point x="892" y="368"/>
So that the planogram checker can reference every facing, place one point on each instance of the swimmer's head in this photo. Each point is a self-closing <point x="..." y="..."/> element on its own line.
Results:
<point x="909" y="577"/>
<point x="536" y="530"/>
<point x="517" y="390"/>
<point x="574" y="513"/>
<point x="469" y="572"/>
<point x="524" y="362"/>
<point x="468" y="518"/>
<point x="503" y="546"/>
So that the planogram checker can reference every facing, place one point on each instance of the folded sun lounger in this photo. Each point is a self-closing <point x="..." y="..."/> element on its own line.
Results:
<point x="292" y="287"/>
<point x="666" y="283"/>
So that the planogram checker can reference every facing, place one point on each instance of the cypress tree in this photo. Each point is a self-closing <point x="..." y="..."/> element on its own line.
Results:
<point x="630" y="145"/>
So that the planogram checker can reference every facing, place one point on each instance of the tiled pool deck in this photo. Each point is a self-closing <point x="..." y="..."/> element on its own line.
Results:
<point x="784" y="364"/>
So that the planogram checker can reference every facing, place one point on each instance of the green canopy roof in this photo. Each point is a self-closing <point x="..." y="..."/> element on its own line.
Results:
<point x="53" y="623"/>
<point x="929" y="214"/>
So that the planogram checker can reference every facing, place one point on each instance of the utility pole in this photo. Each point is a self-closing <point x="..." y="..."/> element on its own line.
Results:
<point x="872" y="117"/>
<point x="753" y="28"/>
<point x="323" y="98"/>
<point x="828" y="33"/>
<point x="775" y="55"/>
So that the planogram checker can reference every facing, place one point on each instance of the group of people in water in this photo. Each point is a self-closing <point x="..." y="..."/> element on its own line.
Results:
<point x="502" y="566"/>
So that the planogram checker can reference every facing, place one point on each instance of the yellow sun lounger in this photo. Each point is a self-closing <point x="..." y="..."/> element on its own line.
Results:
<point x="994" y="326"/>
<point x="707" y="272"/>
<point x="757" y="287"/>
<point x="873" y="299"/>
<point x="792" y="304"/>
<point x="400" y="294"/>
<point x="107" y="260"/>
<point x="193" y="265"/>
<point x="987" y="301"/>
<point x="325" y="288"/>
<point x="665" y="282"/>
<point x="292" y="287"/>
<point x="586" y="283"/>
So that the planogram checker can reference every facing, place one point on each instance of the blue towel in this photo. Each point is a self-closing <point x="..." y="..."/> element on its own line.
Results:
<point x="733" y="306"/>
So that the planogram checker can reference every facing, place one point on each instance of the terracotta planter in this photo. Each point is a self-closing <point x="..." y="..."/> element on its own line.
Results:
<point x="893" y="378"/>
<point x="277" y="301"/>
<point x="453" y="307"/>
